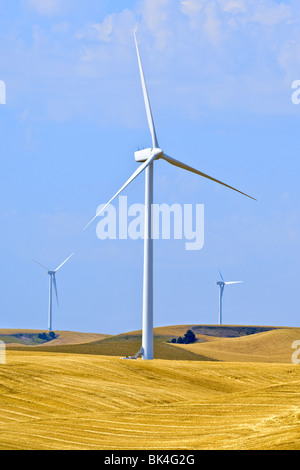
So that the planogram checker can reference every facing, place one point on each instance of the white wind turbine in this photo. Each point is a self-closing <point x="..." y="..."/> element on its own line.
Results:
<point x="222" y="285"/>
<point x="52" y="282"/>
<point x="147" y="157"/>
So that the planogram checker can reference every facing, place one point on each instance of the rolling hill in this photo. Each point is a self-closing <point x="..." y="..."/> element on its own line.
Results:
<point x="54" y="401"/>
<point x="16" y="337"/>
<point x="235" y="388"/>
<point x="268" y="346"/>
<point x="228" y="343"/>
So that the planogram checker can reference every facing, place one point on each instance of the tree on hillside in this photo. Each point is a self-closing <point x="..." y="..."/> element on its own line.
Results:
<point x="47" y="336"/>
<point x="188" y="338"/>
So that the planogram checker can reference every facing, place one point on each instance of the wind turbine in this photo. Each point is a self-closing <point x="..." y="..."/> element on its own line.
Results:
<point x="147" y="157"/>
<point x="52" y="282"/>
<point x="222" y="285"/>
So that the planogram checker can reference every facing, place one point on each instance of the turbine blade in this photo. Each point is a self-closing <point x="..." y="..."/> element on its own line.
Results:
<point x="221" y="275"/>
<point x="55" y="288"/>
<point x="135" y="174"/>
<point x="233" y="282"/>
<point x="63" y="263"/>
<point x="146" y="98"/>
<point x="48" y="269"/>
<point x="193" y="170"/>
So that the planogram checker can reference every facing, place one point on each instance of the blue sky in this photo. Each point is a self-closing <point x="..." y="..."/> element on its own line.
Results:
<point x="219" y="75"/>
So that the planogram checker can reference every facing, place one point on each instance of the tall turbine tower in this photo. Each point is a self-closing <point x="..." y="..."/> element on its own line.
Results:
<point x="147" y="157"/>
<point x="52" y="282"/>
<point x="222" y="285"/>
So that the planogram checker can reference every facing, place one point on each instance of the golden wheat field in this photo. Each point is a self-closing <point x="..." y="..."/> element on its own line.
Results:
<point x="54" y="398"/>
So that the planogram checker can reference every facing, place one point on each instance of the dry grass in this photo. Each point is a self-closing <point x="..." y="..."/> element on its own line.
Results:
<point x="126" y="344"/>
<point x="75" y="401"/>
<point x="64" y="337"/>
<point x="75" y="393"/>
<point x="269" y="346"/>
<point x="215" y="343"/>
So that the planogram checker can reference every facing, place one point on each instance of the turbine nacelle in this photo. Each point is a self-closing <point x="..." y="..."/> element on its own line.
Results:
<point x="144" y="154"/>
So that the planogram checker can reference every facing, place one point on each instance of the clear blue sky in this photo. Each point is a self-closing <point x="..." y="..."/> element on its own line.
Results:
<point x="219" y="75"/>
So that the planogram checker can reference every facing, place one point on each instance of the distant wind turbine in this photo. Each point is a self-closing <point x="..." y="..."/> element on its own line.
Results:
<point x="52" y="282"/>
<point x="147" y="157"/>
<point x="222" y="285"/>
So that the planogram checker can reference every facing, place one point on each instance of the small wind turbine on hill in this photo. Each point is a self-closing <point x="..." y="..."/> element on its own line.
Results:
<point x="147" y="157"/>
<point x="222" y="285"/>
<point x="52" y="282"/>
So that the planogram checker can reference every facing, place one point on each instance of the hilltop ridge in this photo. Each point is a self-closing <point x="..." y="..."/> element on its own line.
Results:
<point x="226" y="343"/>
